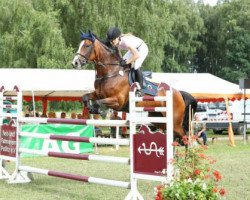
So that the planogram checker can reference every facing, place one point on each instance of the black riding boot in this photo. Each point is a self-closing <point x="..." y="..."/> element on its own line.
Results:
<point x="139" y="79"/>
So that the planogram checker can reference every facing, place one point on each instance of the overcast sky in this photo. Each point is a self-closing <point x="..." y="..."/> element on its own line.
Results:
<point x="211" y="2"/>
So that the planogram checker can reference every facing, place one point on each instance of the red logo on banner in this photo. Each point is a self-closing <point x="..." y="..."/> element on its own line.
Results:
<point x="150" y="154"/>
<point x="8" y="140"/>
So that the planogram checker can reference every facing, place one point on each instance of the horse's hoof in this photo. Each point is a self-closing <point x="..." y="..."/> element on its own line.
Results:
<point x="95" y="110"/>
<point x="103" y="114"/>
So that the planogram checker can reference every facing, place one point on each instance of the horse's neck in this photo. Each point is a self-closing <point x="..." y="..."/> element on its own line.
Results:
<point x="105" y="53"/>
<point x="106" y="62"/>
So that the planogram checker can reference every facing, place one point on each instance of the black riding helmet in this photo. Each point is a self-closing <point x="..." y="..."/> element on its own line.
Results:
<point x="113" y="33"/>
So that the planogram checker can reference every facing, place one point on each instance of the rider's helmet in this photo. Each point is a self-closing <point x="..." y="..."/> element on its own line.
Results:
<point x="113" y="33"/>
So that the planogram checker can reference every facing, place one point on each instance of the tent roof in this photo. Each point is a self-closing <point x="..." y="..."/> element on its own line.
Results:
<point x="203" y="86"/>
<point x="55" y="84"/>
<point x="66" y="84"/>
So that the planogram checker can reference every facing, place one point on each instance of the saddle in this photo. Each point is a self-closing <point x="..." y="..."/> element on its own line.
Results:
<point x="149" y="88"/>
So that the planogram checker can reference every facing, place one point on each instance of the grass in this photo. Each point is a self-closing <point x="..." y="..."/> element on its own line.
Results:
<point x="232" y="162"/>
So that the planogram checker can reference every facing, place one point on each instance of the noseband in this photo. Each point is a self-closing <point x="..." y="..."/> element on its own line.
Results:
<point x="84" y="59"/>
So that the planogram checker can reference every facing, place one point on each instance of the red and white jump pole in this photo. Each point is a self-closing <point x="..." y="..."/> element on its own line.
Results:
<point x="21" y="174"/>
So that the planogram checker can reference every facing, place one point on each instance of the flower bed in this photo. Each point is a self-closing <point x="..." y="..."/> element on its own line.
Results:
<point x="194" y="178"/>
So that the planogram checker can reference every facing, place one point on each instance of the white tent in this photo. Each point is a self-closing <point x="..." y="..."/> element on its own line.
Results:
<point x="201" y="85"/>
<point x="56" y="84"/>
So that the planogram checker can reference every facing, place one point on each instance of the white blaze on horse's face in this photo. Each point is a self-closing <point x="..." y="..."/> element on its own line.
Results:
<point x="79" y="60"/>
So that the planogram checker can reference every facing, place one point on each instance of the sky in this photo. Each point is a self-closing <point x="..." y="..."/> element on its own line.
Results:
<point x="211" y="2"/>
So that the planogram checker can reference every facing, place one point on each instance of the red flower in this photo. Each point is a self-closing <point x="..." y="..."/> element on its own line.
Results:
<point x="197" y="171"/>
<point x="159" y="193"/>
<point x="212" y="162"/>
<point x="202" y="155"/>
<point x="186" y="142"/>
<point x="215" y="190"/>
<point x="222" y="192"/>
<point x="185" y="139"/>
<point x="175" y="144"/>
<point x="217" y="175"/>
<point x="195" y="137"/>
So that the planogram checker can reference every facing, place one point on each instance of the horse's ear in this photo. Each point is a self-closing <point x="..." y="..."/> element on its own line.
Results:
<point x="92" y="36"/>
<point x="83" y="35"/>
<point x="87" y="36"/>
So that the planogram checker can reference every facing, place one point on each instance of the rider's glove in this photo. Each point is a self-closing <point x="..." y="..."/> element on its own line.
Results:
<point x="123" y="62"/>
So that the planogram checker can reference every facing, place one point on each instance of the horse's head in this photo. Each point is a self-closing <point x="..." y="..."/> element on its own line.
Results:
<point x="85" y="51"/>
<point x="93" y="49"/>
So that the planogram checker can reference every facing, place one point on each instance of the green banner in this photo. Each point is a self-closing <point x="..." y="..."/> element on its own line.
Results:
<point x="55" y="145"/>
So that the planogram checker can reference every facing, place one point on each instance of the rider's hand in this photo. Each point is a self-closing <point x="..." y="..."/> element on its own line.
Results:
<point x="123" y="62"/>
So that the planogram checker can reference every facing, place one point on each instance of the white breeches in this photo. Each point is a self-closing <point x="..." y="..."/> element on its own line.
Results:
<point x="143" y="52"/>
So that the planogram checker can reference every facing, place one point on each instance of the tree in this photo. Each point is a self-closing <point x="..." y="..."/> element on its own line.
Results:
<point x="148" y="19"/>
<point x="225" y="51"/>
<point x="187" y="25"/>
<point x="31" y="36"/>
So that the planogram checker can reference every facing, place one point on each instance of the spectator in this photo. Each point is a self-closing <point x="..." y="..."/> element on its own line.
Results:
<point x="27" y="112"/>
<point x="113" y="129"/>
<point x="73" y="115"/>
<point x="63" y="115"/>
<point x="44" y="115"/>
<point x="79" y="116"/>
<point x="199" y="129"/>
<point x="51" y="114"/>
<point x="98" y="131"/>
<point x="85" y="114"/>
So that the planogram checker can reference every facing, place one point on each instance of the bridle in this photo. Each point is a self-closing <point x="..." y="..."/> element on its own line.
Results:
<point x="85" y="58"/>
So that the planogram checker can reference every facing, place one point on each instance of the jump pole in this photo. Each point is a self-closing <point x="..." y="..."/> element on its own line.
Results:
<point x="22" y="173"/>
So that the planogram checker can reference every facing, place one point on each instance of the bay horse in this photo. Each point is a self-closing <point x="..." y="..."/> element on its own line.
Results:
<point x="112" y="85"/>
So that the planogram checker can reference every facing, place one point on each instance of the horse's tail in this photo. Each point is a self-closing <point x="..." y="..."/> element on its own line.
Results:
<point x="189" y="101"/>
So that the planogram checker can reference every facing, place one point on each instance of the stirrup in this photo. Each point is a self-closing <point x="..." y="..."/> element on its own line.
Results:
<point x="139" y="93"/>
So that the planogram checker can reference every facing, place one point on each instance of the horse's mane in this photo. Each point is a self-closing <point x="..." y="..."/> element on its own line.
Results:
<point x="109" y="47"/>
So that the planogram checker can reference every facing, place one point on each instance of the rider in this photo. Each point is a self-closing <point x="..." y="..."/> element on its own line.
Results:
<point x="136" y="48"/>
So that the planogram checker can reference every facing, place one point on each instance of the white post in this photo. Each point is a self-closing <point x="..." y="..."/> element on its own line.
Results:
<point x="1" y="107"/>
<point x="117" y="128"/>
<point x="133" y="194"/>
<point x="34" y="105"/>
<point x="3" y="173"/>
<point x="169" y="135"/>
<point x="19" y="176"/>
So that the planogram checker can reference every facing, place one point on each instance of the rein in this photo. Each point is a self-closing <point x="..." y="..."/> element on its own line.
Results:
<point x="101" y="64"/>
<point x="97" y="63"/>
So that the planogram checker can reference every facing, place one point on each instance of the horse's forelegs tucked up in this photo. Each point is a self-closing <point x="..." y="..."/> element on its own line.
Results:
<point x="93" y="109"/>
<point x="110" y="102"/>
